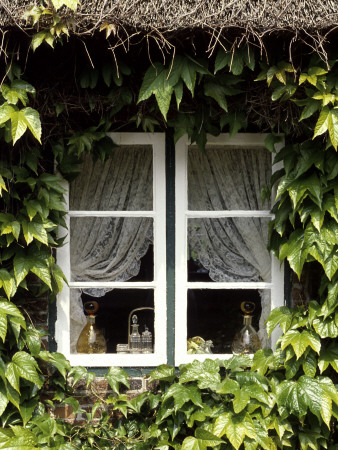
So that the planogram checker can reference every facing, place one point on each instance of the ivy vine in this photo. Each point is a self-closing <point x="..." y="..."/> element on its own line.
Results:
<point x="285" y="398"/>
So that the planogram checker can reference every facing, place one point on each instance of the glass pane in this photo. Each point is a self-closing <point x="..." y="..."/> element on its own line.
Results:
<point x="123" y="183"/>
<point x="112" y="316"/>
<point x="215" y="315"/>
<point x="228" y="249"/>
<point x="111" y="249"/>
<point x="228" y="178"/>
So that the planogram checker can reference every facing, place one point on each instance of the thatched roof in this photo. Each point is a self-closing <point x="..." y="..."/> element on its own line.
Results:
<point x="174" y="15"/>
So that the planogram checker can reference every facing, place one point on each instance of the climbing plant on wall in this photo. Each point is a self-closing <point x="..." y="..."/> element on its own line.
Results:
<point x="280" y="399"/>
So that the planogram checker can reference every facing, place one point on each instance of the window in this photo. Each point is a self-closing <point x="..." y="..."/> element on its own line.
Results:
<point x="221" y="237"/>
<point x="116" y="249"/>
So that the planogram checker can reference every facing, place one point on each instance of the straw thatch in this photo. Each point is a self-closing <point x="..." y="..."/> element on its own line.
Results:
<point x="174" y="15"/>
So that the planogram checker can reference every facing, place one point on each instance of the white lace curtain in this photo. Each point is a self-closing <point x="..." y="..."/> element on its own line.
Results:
<point x="231" y="249"/>
<point x="106" y="248"/>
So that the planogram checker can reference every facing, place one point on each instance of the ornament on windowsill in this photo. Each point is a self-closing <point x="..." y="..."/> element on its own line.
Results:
<point x="91" y="339"/>
<point x="246" y="341"/>
<point x="197" y="345"/>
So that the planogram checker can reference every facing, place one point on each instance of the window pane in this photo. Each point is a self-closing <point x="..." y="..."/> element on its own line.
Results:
<point x="111" y="249"/>
<point x="227" y="178"/>
<point x="123" y="183"/>
<point x="115" y="305"/>
<point x="228" y="249"/>
<point x="215" y="314"/>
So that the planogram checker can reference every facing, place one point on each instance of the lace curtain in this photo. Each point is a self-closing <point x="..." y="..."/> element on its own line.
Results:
<point x="109" y="248"/>
<point x="231" y="249"/>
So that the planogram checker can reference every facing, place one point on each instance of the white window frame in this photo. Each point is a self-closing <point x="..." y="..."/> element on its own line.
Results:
<point x="62" y="326"/>
<point x="182" y="285"/>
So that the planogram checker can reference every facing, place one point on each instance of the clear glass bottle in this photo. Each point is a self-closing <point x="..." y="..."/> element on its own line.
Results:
<point x="246" y="340"/>
<point x="91" y="339"/>
<point x="135" y="337"/>
<point x="147" y="341"/>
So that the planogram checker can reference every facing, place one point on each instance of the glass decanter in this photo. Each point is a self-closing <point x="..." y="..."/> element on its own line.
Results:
<point x="91" y="339"/>
<point x="246" y="340"/>
<point x="135" y="337"/>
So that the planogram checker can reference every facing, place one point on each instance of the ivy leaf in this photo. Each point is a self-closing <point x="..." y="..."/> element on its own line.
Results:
<point x="300" y="341"/>
<point x="235" y="427"/>
<point x="22" y="365"/>
<point x="271" y="140"/>
<point x="57" y="360"/>
<point x="332" y="125"/>
<point x="115" y="376"/>
<point x="7" y="282"/>
<point x="310" y="108"/>
<point x="322" y="123"/>
<point x="20" y="120"/>
<point x="33" y="340"/>
<point x="228" y="386"/>
<point x="328" y="356"/>
<point x="183" y="394"/>
<point x="6" y="112"/>
<point x="3" y="399"/>
<point x="186" y="68"/>
<point x="310" y="364"/>
<point x="27" y="408"/>
<point x="41" y="36"/>
<point x="217" y="92"/>
<point x="163" y="372"/>
<point x="202" y="440"/>
<point x="35" y="230"/>
<point x="206" y="374"/>
<point x="241" y="400"/>
<point x="290" y="399"/>
<point x="156" y="82"/>
<point x="295" y="251"/>
<point x="326" y="328"/>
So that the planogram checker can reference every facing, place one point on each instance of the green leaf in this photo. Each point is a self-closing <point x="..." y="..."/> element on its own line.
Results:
<point x="33" y="340"/>
<point x="326" y="328"/>
<point x="222" y="60"/>
<point x="183" y="394"/>
<point x="38" y="38"/>
<point x="295" y="251"/>
<point x="322" y="123"/>
<point x="202" y="440"/>
<point x="156" y="82"/>
<point x="300" y="341"/>
<point x="27" y="408"/>
<point x="115" y="376"/>
<point x="328" y="356"/>
<point x="217" y="92"/>
<point x="163" y="372"/>
<point x="23" y="365"/>
<point x="57" y="360"/>
<point x="271" y="140"/>
<point x="34" y="230"/>
<point x="3" y="399"/>
<point x="290" y="399"/>
<point x="310" y="108"/>
<point x="7" y="281"/>
<point x="20" y="120"/>
<point x="186" y="68"/>
<point x="206" y="374"/>
<point x="235" y="427"/>
<point x="191" y="443"/>
<point x="332" y="125"/>
<point x="7" y="307"/>
<point x="6" y="112"/>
